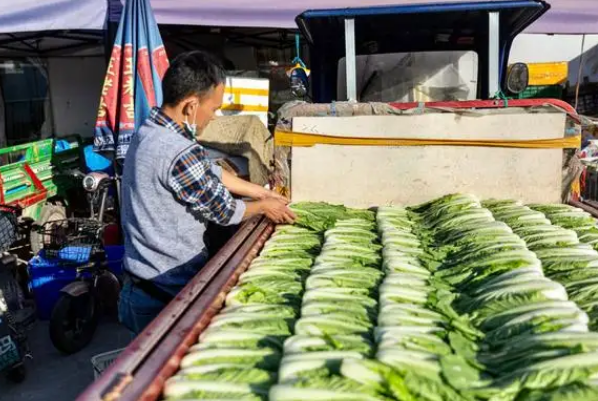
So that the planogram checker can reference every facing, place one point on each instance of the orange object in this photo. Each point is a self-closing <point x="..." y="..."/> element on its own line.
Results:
<point x="541" y="74"/>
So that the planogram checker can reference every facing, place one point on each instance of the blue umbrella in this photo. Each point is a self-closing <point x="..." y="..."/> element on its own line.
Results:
<point x="133" y="80"/>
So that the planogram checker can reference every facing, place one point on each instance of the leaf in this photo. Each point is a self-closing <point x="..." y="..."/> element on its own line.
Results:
<point x="460" y="374"/>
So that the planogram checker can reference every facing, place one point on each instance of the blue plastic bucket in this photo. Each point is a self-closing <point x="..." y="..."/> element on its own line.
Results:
<point x="46" y="279"/>
<point x="114" y="255"/>
<point x="48" y="276"/>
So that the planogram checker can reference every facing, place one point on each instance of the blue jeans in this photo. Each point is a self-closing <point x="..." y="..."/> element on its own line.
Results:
<point x="136" y="309"/>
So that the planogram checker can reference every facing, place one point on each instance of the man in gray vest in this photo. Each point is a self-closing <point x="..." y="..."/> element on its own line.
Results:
<point x="170" y="190"/>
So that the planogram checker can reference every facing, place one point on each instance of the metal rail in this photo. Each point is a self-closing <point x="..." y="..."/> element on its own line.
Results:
<point x="165" y="361"/>
<point x="588" y="205"/>
<point x="141" y="369"/>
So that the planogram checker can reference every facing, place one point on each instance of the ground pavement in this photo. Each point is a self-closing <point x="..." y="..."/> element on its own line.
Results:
<point x="53" y="376"/>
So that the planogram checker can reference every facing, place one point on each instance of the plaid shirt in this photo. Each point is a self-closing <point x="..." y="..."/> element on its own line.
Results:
<point x="193" y="181"/>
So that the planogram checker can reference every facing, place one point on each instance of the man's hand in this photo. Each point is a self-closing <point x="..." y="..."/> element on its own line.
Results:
<point x="267" y="194"/>
<point x="277" y="211"/>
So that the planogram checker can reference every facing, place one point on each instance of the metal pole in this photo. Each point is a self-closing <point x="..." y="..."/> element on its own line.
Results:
<point x="493" y="53"/>
<point x="350" y="60"/>
<point x="580" y="70"/>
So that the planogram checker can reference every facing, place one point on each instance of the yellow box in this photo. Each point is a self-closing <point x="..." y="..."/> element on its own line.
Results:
<point x="244" y="96"/>
<point x="541" y="74"/>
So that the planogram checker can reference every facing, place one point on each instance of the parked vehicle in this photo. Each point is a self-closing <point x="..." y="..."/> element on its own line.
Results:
<point x="15" y="317"/>
<point x="80" y="244"/>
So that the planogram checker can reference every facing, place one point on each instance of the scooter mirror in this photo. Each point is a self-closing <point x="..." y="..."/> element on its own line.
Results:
<point x="517" y="78"/>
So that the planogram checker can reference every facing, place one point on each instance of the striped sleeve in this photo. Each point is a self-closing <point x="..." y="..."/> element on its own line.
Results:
<point x="194" y="182"/>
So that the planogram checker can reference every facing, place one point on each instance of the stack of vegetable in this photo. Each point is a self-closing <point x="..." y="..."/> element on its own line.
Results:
<point x="238" y="355"/>
<point x="571" y="218"/>
<point x="320" y="216"/>
<point x="416" y="324"/>
<point x="535" y="342"/>
<point x="337" y="317"/>
<point x="443" y="301"/>
<point x="552" y="231"/>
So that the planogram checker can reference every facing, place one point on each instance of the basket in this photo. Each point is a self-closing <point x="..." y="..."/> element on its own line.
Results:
<point x="70" y="240"/>
<point x="102" y="361"/>
<point x="8" y="227"/>
<point x="9" y="354"/>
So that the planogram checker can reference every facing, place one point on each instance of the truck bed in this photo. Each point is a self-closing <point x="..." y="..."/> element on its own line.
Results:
<point x="142" y="368"/>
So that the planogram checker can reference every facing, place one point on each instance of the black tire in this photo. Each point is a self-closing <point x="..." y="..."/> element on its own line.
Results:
<point x="17" y="374"/>
<point x="73" y="322"/>
<point x="50" y="212"/>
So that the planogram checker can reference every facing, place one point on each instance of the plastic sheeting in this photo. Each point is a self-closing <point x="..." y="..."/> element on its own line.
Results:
<point x="565" y="17"/>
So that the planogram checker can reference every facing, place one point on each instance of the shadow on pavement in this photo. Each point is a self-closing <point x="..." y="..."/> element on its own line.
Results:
<point x="54" y="376"/>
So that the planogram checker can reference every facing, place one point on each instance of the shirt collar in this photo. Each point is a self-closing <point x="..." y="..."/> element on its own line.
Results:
<point x="158" y="117"/>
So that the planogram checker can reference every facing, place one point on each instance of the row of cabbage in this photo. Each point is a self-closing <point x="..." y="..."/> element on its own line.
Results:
<point x="238" y="355"/>
<point x="519" y="335"/>
<point x="338" y="317"/>
<point x="432" y="303"/>
<point x="466" y="313"/>
<point x="563" y="238"/>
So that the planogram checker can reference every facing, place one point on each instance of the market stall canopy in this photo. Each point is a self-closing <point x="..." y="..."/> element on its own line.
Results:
<point x="52" y="15"/>
<point x="50" y="28"/>
<point x="565" y="16"/>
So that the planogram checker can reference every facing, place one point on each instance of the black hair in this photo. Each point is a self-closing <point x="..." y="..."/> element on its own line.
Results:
<point x="191" y="73"/>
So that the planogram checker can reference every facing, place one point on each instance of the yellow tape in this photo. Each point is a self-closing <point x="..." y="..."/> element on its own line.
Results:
<point x="297" y="139"/>
<point x="246" y="91"/>
<point x="243" y="107"/>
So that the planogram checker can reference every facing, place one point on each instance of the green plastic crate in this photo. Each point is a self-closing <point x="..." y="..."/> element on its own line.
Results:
<point x="542" y="92"/>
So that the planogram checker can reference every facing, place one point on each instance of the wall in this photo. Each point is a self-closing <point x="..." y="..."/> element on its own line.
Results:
<point x="75" y="87"/>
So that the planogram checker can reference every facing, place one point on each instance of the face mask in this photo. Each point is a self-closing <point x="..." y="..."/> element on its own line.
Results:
<point x="191" y="128"/>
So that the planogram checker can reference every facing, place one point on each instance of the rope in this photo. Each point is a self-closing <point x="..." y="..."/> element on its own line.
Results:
<point x="500" y="95"/>
<point x="297" y="59"/>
